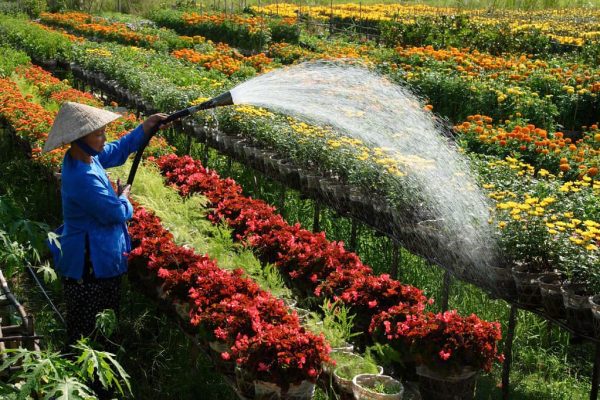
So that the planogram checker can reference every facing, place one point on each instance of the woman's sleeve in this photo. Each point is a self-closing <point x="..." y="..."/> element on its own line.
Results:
<point x="115" y="153"/>
<point x="102" y="203"/>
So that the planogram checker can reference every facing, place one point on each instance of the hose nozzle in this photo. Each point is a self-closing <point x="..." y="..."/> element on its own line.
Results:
<point x="224" y="99"/>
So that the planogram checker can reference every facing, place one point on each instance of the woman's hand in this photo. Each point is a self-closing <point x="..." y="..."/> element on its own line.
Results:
<point x="123" y="189"/>
<point x="150" y="123"/>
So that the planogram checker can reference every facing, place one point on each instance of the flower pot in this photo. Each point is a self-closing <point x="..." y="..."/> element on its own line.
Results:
<point x="305" y="390"/>
<point x="290" y="303"/>
<point x="289" y="172"/>
<point x="552" y="298"/>
<point x="435" y="386"/>
<point x="362" y="387"/>
<point x="595" y="306"/>
<point x="303" y="314"/>
<point x="199" y="131"/>
<point x="329" y="367"/>
<point x="266" y="391"/>
<point x="503" y="282"/>
<point x="244" y="381"/>
<point x="216" y="349"/>
<point x="310" y="183"/>
<point x="578" y="308"/>
<point x="345" y="347"/>
<point x="528" y="288"/>
<point x="344" y="384"/>
<point x="238" y="148"/>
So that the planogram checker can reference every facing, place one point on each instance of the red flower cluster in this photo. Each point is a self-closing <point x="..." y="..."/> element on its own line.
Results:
<point x="393" y="312"/>
<point x="312" y="264"/>
<point x="226" y="305"/>
<point x="445" y="342"/>
<point x="286" y="354"/>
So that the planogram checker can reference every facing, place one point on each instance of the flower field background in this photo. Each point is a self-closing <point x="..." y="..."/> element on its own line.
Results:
<point x="526" y="116"/>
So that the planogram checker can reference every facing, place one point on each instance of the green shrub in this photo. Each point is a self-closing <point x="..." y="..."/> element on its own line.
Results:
<point x="11" y="59"/>
<point x="34" y="7"/>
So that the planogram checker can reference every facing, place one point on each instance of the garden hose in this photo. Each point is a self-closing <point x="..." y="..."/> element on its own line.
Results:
<point x="223" y="99"/>
<point x="37" y="281"/>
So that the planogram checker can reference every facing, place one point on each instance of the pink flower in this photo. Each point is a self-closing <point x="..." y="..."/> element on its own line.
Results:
<point x="445" y="355"/>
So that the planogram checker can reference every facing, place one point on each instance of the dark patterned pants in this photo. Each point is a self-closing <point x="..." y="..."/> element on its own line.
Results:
<point x="85" y="299"/>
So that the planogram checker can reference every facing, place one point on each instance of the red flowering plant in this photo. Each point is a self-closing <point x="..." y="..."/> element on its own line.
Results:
<point x="369" y="295"/>
<point x="241" y="315"/>
<point x="341" y="279"/>
<point x="447" y="342"/>
<point x="284" y="354"/>
<point x="391" y="328"/>
<point x="216" y="286"/>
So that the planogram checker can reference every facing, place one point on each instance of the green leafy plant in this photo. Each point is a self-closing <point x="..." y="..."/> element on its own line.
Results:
<point x="54" y="375"/>
<point x="337" y="324"/>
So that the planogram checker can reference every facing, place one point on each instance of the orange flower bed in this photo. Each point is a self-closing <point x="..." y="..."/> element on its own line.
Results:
<point x="578" y="157"/>
<point x="223" y="59"/>
<point x="88" y="24"/>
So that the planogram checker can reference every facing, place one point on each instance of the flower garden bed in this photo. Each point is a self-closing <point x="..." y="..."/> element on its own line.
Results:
<point x="457" y="82"/>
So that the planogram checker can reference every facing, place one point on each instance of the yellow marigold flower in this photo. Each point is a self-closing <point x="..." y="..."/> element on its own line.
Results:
<point x="591" y="247"/>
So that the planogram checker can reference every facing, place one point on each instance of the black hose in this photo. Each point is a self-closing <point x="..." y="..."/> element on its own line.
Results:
<point x="224" y="99"/>
<point x="35" y="278"/>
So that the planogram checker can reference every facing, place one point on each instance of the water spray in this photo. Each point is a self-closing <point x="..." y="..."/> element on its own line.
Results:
<point x="224" y="99"/>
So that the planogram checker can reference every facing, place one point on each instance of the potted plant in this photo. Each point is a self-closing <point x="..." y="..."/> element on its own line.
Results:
<point x="347" y="367"/>
<point x="450" y="350"/>
<point x="284" y="361"/>
<point x="376" y="387"/>
<point x="336" y="325"/>
<point x="581" y="259"/>
<point x="525" y="241"/>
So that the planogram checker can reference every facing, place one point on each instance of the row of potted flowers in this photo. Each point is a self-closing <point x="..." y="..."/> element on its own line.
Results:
<point x="494" y="30"/>
<point x="220" y="56"/>
<point x="391" y="312"/>
<point x="251" y="33"/>
<point x="242" y="324"/>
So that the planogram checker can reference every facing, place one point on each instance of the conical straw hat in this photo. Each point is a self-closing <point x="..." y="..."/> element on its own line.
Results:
<point x="74" y="121"/>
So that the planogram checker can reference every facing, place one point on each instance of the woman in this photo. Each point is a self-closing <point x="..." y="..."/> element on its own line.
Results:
<point x="94" y="238"/>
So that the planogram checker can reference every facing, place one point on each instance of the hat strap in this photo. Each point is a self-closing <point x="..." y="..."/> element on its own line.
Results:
<point x="86" y="148"/>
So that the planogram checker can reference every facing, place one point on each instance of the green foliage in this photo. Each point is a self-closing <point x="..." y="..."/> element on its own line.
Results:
<point x="53" y="375"/>
<point x="11" y="59"/>
<point x="11" y="8"/>
<point x="336" y="324"/>
<point x="106" y="322"/>
<point x="101" y="364"/>
<point x="22" y="240"/>
<point x="37" y="42"/>
<point x="284" y="32"/>
<point x="236" y="34"/>
<point x="33" y="8"/>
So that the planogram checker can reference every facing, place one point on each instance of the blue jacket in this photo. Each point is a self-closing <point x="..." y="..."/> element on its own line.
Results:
<point x="91" y="207"/>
